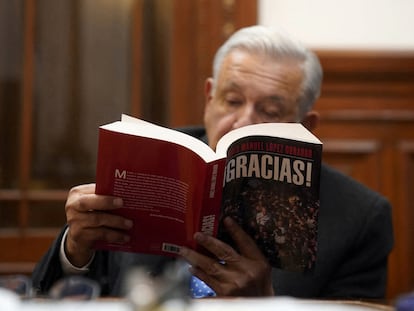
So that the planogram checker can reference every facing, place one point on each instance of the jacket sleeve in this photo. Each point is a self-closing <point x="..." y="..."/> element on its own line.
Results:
<point x="49" y="270"/>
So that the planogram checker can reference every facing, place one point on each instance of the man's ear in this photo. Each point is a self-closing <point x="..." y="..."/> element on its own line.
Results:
<point x="311" y="120"/>
<point x="208" y="89"/>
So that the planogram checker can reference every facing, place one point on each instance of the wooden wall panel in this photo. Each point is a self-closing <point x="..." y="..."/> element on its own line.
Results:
<point x="367" y="125"/>
<point x="194" y="41"/>
<point x="357" y="158"/>
<point x="404" y="219"/>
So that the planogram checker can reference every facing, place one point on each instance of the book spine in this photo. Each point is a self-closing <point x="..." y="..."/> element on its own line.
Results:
<point x="210" y="211"/>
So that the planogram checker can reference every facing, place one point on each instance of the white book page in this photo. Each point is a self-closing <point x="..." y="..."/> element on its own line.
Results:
<point x="133" y="126"/>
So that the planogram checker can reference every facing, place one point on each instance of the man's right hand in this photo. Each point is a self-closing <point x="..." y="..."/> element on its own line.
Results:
<point x="89" y="221"/>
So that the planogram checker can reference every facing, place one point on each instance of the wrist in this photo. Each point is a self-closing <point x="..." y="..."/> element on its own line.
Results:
<point x="77" y="256"/>
<point x="67" y="266"/>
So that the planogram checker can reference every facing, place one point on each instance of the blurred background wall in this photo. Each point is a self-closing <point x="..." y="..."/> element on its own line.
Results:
<point x="350" y="25"/>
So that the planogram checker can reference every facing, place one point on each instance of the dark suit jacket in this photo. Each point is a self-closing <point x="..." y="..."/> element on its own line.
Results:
<point x="355" y="237"/>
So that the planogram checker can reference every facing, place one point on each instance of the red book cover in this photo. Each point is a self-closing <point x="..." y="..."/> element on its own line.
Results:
<point x="169" y="191"/>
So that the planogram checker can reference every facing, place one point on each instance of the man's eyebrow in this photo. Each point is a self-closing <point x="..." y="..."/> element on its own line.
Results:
<point x="275" y="98"/>
<point x="279" y="100"/>
<point x="231" y="85"/>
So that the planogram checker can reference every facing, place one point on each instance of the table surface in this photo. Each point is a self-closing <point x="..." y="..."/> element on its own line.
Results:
<point x="215" y="304"/>
<point x="11" y="302"/>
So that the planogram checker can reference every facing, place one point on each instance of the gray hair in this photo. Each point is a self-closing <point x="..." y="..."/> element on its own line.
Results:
<point x="276" y="44"/>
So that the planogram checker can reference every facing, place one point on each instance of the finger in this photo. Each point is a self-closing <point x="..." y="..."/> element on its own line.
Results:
<point x="205" y="268"/>
<point x="83" y="199"/>
<point x="84" y="232"/>
<point x="79" y="249"/>
<point x="96" y="219"/>
<point x="221" y="250"/>
<point x="245" y="244"/>
<point x="94" y="202"/>
<point x="103" y="234"/>
<point x="210" y="265"/>
<point x="214" y="282"/>
<point x="224" y="279"/>
<point x="194" y="258"/>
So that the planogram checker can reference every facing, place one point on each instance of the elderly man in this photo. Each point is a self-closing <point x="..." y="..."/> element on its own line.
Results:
<point x="259" y="75"/>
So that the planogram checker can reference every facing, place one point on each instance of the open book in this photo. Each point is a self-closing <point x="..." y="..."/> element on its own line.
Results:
<point x="265" y="176"/>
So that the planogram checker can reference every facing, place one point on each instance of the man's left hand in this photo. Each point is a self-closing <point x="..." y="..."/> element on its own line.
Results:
<point x="230" y="273"/>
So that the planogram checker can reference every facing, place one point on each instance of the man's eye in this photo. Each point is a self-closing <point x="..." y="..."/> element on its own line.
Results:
<point x="272" y="115"/>
<point x="234" y="102"/>
<point x="271" y="110"/>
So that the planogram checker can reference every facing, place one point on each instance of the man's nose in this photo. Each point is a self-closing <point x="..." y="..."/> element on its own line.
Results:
<point x="246" y="116"/>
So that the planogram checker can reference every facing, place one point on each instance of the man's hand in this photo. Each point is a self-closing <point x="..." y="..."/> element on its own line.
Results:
<point x="89" y="221"/>
<point x="231" y="273"/>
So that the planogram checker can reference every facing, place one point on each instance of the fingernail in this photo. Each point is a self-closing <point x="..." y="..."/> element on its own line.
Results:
<point x="128" y="223"/>
<point x="118" y="202"/>
<point x="199" y="237"/>
<point x="182" y="251"/>
<point x="228" y="221"/>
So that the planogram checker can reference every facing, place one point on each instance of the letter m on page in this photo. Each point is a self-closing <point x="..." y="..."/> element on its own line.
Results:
<point x="120" y="174"/>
